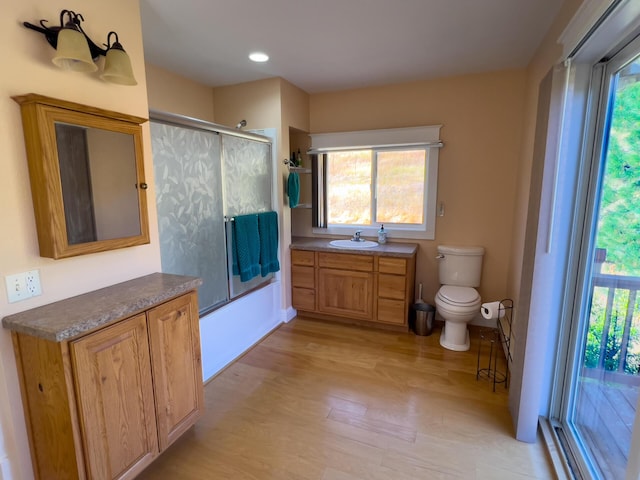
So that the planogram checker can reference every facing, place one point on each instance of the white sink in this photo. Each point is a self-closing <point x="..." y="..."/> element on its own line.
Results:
<point x="352" y="244"/>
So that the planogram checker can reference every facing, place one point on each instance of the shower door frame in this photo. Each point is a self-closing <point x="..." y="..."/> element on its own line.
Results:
<point x="269" y="138"/>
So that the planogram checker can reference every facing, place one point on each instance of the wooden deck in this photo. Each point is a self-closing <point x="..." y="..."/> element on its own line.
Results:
<point x="605" y="411"/>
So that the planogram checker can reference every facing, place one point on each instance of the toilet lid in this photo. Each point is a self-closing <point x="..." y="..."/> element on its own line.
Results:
<point x="458" y="295"/>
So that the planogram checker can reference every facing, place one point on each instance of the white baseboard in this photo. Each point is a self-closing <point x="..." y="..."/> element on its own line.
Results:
<point x="289" y="314"/>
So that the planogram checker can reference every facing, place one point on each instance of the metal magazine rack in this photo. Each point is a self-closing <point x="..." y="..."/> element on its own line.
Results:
<point x="493" y="339"/>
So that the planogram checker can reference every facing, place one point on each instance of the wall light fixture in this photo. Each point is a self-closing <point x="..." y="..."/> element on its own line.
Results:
<point x="76" y="51"/>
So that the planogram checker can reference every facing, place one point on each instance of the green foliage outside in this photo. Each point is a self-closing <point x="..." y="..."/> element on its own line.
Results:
<point x="619" y="222"/>
<point x="614" y="337"/>
<point x="619" y="231"/>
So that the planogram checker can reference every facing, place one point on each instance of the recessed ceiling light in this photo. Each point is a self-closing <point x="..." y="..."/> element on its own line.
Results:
<point x="258" y="57"/>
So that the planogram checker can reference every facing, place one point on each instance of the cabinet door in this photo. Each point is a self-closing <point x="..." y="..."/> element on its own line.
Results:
<point x="177" y="368"/>
<point x="115" y="399"/>
<point x="346" y="293"/>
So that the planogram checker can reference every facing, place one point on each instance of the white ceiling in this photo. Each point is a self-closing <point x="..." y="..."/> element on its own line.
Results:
<point x="326" y="45"/>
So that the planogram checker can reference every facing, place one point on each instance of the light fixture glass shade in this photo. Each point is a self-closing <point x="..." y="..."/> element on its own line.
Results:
<point x="117" y="68"/>
<point x="73" y="52"/>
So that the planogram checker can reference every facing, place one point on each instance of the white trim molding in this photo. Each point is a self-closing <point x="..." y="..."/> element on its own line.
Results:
<point x="597" y="27"/>
<point x="390" y="137"/>
<point x="589" y="13"/>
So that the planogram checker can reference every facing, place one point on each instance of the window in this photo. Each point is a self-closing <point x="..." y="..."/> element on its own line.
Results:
<point x="387" y="182"/>
<point x="369" y="187"/>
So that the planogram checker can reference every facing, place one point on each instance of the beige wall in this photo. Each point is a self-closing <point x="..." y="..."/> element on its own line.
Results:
<point x="295" y="117"/>
<point x="523" y="390"/>
<point x="31" y="70"/>
<point x="256" y="102"/>
<point x="482" y="129"/>
<point x="270" y="103"/>
<point x="547" y="55"/>
<point x="173" y="93"/>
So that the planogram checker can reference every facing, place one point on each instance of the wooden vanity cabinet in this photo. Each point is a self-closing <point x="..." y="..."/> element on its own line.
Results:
<point x="104" y="405"/>
<point x="371" y="288"/>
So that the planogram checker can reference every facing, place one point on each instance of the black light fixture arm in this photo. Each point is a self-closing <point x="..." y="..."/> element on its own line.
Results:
<point x="75" y="19"/>
<point x="115" y="44"/>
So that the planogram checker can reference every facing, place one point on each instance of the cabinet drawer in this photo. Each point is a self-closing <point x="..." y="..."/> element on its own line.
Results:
<point x="303" y="277"/>
<point x="303" y="299"/>
<point x="392" y="311"/>
<point x="302" y="257"/>
<point x="391" y="286"/>
<point x="395" y="266"/>
<point x="345" y="261"/>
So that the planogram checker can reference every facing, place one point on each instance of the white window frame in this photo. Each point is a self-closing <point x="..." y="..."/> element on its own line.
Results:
<point x="427" y="138"/>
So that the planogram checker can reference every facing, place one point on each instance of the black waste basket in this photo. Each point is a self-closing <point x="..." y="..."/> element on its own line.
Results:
<point x="424" y="315"/>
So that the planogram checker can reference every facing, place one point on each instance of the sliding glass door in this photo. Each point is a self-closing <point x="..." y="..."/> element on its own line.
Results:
<point x="602" y="377"/>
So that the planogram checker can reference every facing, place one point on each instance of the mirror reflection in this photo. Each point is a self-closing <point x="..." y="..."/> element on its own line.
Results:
<point x="99" y="183"/>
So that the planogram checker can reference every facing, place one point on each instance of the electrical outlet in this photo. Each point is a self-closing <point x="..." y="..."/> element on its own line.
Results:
<point x="23" y="286"/>
<point x="32" y="280"/>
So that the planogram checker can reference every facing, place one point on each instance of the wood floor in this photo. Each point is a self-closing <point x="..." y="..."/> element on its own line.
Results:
<point x="327" y="401"/>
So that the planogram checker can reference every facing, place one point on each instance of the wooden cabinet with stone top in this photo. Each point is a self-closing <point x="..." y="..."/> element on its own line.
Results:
<point x="104" y="397"/>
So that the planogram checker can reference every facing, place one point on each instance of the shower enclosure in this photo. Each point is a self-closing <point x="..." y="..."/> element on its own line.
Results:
<point x="206" y="174"/>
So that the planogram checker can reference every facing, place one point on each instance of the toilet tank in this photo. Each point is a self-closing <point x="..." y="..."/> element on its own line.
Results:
<point x="461" y="266"/>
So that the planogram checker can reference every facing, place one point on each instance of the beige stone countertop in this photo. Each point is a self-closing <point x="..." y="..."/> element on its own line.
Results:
<point x="391" y="249"/>
<point x="66" y="319"/>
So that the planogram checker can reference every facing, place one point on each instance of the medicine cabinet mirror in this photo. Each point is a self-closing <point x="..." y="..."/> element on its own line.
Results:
<point x="87" y="176"/>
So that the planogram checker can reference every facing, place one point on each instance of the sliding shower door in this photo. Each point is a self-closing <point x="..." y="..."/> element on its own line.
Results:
<point x="247" y="172"/>
<point x="188" y="182"/>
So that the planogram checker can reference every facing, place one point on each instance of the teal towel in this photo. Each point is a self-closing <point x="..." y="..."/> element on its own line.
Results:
<point x="245" y="240"/>
<point x="293" y="189"/>
<point x="268" y="229"/>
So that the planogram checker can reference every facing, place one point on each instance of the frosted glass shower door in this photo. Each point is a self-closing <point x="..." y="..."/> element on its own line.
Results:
<point x="248" y="177"/>
<point x="188" y="182"/>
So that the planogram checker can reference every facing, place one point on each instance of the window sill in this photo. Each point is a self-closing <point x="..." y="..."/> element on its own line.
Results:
<point x="372" y="232"/>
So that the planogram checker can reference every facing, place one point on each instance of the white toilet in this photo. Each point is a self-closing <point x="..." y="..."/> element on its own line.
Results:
<point x="457" y="301"/>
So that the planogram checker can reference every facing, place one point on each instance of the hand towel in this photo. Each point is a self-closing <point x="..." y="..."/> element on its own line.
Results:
<point x="268" y="230"/>
<point x="293" y="189"/>
<point x="245" y="247"/>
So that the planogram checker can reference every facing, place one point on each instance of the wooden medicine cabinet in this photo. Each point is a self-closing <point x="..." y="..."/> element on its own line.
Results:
<point x="87" y="176"/>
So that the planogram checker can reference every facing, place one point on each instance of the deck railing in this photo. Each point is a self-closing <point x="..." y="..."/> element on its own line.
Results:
<point x="614" y="283"/>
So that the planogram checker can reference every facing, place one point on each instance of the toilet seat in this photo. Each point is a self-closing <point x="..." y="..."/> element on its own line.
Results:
<point x="460" y="297"/>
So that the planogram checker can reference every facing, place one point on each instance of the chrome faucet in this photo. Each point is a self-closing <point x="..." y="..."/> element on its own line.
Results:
<point x="356" y="236"/>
